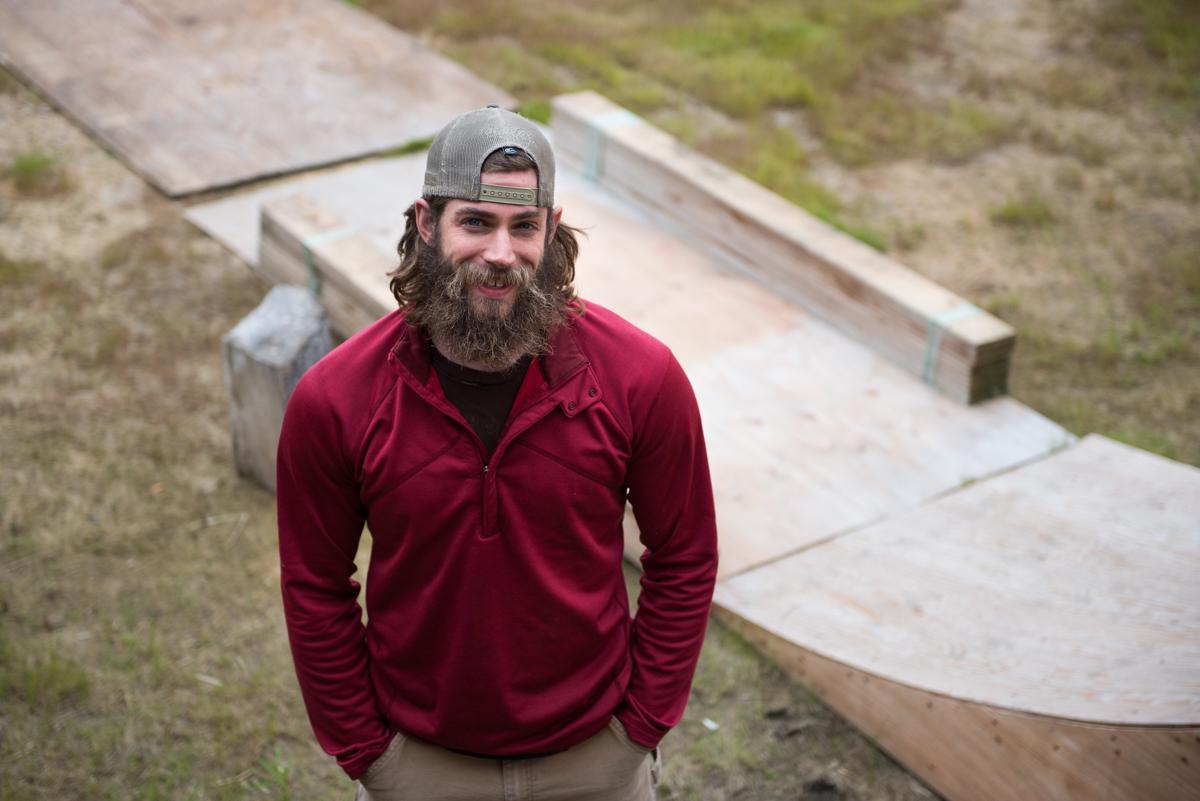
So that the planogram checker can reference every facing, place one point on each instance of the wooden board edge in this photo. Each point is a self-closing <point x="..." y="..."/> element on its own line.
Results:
<point x="948" y="330"/>
<point x="973" y="752"/>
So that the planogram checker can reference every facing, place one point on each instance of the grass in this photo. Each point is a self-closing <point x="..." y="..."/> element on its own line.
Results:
<point x="747" y="62"/>
<point x="37" y="174"/>
<point x="1156" y="46"/>
<point x="1029" y="211"/>
<point x="414" y="146"/>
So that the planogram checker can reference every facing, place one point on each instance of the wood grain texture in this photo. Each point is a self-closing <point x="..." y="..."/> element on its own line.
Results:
<point x="972" y="752"/>
<point x="862" y="292"/>
<point x="1068" y="588"/>
<point x="201" y="95"/>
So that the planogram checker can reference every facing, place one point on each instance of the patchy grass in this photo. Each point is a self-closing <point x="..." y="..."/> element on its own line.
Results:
<point x="747" y="62"/>
<point x="38" y="174"/>
<point x="414" y="146"/>
<point x="1029" y="211"/>
<point x="775" y="159"/>
<point x="10" y="84"/>
<point x="1156" y="46"/>
<point x="861" y="130"/>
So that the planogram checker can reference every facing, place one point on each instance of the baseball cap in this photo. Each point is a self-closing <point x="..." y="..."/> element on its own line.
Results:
<point x="457" y="154"/>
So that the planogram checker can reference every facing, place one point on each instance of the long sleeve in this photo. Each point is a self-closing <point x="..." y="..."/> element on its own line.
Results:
<point x="320" y="524"/>
<point x="671" y="495"/>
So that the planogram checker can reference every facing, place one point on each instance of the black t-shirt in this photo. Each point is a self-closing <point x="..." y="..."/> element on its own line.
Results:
<point x="484" y="398"/>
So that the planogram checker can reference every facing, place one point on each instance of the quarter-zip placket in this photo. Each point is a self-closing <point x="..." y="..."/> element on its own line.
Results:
<point x="573" y="395"/>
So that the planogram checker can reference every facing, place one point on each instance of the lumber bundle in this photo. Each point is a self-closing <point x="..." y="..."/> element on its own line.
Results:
<point x="302" y="243"/>
<point x="926" y="329"/>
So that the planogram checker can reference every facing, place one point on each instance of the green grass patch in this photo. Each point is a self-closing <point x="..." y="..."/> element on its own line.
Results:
<point x="38" y="174"/>
<point x="413" y="146"/>
<point x="744" y="60"/>
<point x="15" y="272"/>
<point x="1156" y="46"/>
<point x="1027" y="212"/>
<point x="772" y="157"/>
<point x="10" y="84"/>
<point x="537" y="110"/>
<point x="43" y="681"/>
<point x="866" y="128"/>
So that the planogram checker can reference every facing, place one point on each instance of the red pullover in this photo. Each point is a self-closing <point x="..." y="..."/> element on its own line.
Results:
<point x="498" y="618"/>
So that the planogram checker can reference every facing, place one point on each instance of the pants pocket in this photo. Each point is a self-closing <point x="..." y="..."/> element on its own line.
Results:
<point x="618" y="730"/>
<point x="378" y="777"/>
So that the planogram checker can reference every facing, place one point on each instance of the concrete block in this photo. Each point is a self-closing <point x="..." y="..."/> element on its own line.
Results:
<point x="264" y="356"/>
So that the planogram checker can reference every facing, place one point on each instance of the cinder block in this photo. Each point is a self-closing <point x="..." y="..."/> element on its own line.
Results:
<point x="264" y="356"/>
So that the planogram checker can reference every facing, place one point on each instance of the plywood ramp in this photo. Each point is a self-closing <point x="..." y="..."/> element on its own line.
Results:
<point x="1061" y="601"/>
<point x="201" y="95"/>
<point x="810" y="433"/>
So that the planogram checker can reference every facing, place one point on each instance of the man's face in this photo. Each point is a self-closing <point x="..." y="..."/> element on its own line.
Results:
<point x="499" y="245"/>
<point x="488" y="307"/>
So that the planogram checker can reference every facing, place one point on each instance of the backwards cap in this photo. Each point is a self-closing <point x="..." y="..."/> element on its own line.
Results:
<point x="458" y="151"/>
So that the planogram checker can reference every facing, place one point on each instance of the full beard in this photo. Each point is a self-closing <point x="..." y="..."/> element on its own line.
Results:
<point x="488" y="334"/>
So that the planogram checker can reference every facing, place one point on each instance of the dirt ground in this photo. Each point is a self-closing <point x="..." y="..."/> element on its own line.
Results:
<point x="142" y="654"/>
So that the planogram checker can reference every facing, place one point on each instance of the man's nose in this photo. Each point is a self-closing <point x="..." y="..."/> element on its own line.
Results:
<point x="499" y="251"/>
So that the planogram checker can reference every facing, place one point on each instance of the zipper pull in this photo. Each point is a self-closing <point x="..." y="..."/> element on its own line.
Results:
<point x="485" y="469"/>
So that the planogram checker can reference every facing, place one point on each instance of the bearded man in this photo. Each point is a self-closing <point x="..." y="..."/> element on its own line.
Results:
<point x="490" y="432"/>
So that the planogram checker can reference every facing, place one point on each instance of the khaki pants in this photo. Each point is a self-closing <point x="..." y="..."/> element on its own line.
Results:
<point x="607" y="767"/>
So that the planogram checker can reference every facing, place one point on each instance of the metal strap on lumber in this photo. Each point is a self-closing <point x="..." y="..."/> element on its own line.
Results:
<point x="598" y="128"/>
<point x="933" y="337"/>
<point x="311" y="243"/>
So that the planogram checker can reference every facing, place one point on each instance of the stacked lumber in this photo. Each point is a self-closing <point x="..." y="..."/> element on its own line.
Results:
<point x="926" y="329"/>
<point x="303" y="243"/>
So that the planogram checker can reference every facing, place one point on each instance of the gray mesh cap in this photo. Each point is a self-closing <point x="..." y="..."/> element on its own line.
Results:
<point x="458" y="151"/>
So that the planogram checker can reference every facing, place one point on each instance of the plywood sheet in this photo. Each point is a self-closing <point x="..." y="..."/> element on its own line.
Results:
<point x="200" y="95"/>
<point x="975" y="752"/>
<point x="1067" y="588"/>
<point x="810" y="434"/>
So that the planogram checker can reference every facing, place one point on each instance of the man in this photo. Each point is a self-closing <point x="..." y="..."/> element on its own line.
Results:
<point x="489" y="433"/>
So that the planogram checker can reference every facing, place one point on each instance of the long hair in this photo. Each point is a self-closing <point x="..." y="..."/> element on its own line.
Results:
<point x="411" y="284"/>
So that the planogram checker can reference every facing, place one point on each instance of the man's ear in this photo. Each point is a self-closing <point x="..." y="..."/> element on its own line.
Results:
<point x="426" y="223"/>
<point x="554" y="218"/>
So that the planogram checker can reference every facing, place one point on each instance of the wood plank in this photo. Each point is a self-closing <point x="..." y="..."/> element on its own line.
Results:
<point x="304" y="244"/>
<point x="973" y="752"/>
<point x="197" y="96"/>
<point x="1066" y="588"/>
<point x="372" y="195"/>
<point x="919" y="325"/>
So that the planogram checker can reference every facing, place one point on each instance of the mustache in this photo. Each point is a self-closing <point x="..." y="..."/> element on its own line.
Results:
<point x="471" y="273"/>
